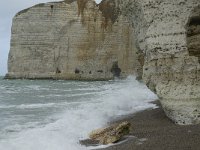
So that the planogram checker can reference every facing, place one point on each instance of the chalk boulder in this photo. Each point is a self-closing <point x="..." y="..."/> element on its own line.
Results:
<point x="111" y="134"/>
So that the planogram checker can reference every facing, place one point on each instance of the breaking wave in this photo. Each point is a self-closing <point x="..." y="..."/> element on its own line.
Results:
<point x="94" y="105"/>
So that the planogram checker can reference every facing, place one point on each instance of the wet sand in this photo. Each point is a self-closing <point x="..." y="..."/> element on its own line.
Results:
<point x="154" y="131"/>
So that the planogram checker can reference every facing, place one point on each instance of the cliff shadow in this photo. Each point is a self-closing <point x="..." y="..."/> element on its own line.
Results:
<point x="193" y="33"/>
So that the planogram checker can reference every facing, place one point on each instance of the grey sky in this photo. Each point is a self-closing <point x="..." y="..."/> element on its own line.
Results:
<point x="8" y="9"/>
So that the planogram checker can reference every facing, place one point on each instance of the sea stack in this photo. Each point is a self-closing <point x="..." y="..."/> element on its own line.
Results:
<point x="78" y="39"/>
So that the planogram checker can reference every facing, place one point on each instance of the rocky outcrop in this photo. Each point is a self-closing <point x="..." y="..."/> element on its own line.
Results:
<point x="168" y="34"/>
<point x="111" y="134"/>
<point x="73" y="39"/>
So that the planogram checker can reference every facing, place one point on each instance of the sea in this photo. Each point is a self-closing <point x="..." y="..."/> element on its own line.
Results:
<point x="57" y="114"/>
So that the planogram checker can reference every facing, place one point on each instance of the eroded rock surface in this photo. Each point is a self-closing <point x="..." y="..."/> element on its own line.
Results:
<point x="73" y="39"/>
<point x="168" y="34"/>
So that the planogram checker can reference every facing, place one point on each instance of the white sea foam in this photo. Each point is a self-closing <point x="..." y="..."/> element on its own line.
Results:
<point x="39" y="105"/>
<point x="120" y="98"/>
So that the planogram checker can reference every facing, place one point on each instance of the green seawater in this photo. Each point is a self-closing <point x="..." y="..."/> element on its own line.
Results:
<point x="29" y="103"/>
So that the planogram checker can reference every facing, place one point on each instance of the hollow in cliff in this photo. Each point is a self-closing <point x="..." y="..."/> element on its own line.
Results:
<point x="193" y="34"/>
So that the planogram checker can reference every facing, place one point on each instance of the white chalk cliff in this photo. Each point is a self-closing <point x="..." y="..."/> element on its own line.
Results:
<point x="72" y="40"/>
<point x="171" y="46"/>
<point x="83" y="40"/>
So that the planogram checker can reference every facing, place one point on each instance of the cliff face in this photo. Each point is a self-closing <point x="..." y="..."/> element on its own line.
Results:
<point x="73" y="39"/>
<point x="168" y="34"/>
<point x="82" y="40"/>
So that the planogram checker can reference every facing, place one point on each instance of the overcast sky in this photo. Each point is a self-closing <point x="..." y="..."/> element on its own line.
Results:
<point x="8" y="9"/>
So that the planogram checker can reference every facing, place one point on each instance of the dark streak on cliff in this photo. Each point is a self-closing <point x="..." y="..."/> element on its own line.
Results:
<point x="108" y="8"/>
<point x="109" y="11"/>
<point x="81" y="6"/>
